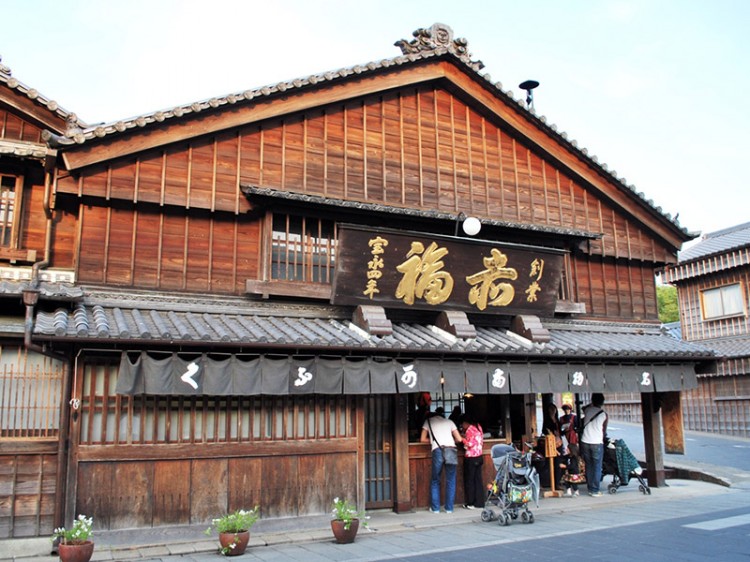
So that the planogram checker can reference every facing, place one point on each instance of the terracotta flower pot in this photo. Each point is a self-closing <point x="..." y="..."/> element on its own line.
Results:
<point x="234" y="544"/>
<point x="344" y="536"/>
<point x="75" y="552"/>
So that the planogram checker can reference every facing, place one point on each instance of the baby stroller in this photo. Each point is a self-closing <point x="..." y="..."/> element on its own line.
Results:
<point x="516" y="484"/>
<point x="622" y="465"/>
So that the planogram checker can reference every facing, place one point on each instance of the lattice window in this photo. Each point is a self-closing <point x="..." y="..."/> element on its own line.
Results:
<point x="302" y="249"/>
<point x="139" y="420"/>
<point x="30" y="394"/>
<point x="10" y="193"/>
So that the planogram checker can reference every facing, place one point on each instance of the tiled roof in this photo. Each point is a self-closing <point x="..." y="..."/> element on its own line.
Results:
<point x="255" y="191"/>
<point x="259" y="94"/>
<point x="24" y="149"/>
<point x="718" y="242"/>
<point x="47" y="290"/>
<point x="674" y="329"/>
<point x="729" y="348"/>
<point x="31" y="93"/>
<point x="247" y="325"/>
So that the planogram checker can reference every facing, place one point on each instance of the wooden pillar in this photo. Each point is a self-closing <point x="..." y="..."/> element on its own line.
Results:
<point x="529" y="412"/>
<point x="74" y="431"/>
<point x="652" y="439"/>
<point x="62" y="448"/>
<point x="401" y="476"/>
<point x="671" y="415"/>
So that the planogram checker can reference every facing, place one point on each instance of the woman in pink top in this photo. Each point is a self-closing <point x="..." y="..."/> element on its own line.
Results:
<point x="474" y="494"/>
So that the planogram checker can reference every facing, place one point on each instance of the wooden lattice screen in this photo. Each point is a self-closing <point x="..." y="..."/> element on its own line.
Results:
<point x="30" y="394"/>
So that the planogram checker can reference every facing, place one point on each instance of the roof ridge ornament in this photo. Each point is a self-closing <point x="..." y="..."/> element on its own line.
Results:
<point x="4" y="69"/>
<point x="438" y="36"/>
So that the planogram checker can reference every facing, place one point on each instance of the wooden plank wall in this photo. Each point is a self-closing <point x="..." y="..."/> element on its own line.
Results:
<point x="146" y="493"/>
<point x="27" y="490"/>
<point x="153" y="461"/>
<point x="152" y="248"/>
<point x="614" y="289"/>
<point x="417" y="148"/>
<point x="694" y="328"/>
<point x="420" y="470"/>
<point x="13" y="127"/>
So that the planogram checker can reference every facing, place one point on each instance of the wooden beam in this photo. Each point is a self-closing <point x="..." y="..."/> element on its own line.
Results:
<point x="671" y="415"/>
<point x="456" y="322"/>
<point x="32" y="111"/>
<point x="400" y="452"/>
<point x="372" y="319"/>
<point x="17" y="255"/>
<point x="530" y="327"/>
<point x="288" y="288"/>
<point x="652" y="440"/>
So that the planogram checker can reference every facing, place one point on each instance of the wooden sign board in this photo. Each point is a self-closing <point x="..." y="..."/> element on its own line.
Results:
<point x="398" y="269"/>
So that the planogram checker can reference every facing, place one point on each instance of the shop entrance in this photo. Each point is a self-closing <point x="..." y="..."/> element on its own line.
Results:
<point x="378" y="456"/>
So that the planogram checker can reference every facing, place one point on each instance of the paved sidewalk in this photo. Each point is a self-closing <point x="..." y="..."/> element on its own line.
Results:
<point x="276" y="539"/>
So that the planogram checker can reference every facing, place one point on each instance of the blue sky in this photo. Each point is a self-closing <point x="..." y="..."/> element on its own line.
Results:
<point x="656" y="89"/>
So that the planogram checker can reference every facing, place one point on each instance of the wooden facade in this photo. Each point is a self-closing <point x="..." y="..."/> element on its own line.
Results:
<point x="223" y="216"/>
<point x="721" y="260"/>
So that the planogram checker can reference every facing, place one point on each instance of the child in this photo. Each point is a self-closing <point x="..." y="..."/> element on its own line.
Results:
<point x="574" y="475"/>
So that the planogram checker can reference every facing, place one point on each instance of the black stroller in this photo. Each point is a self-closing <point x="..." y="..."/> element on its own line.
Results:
<point x="516" y="484"/>
<point x="622" y="465"/>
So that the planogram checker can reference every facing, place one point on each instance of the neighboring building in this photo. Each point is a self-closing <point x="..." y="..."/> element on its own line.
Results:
<point x="253" y="299"/>
<point x="713" y="286"/>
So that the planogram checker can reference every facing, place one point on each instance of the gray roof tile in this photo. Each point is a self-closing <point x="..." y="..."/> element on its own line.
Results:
<point x="569" y="339"/>
<point x="718" y="242"/>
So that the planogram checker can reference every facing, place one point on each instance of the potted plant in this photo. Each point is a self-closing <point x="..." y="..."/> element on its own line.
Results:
<point x="74" y="543"/>
<point x="345" y="520"/>
<point x="234" y="530"/>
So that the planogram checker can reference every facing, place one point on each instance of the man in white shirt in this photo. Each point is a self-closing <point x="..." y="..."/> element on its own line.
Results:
<point x="443" y="435"/>
<point x="592" y="442"/>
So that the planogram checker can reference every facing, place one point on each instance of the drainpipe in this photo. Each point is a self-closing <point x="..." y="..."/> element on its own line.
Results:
<point x="48" y="171"/>
<point x="31" y="293"/>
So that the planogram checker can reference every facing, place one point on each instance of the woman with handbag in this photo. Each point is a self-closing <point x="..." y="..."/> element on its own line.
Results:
<point x="444" y="436"/>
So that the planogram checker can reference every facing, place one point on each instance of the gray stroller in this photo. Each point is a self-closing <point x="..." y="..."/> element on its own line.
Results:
<point x="516" y="484"/>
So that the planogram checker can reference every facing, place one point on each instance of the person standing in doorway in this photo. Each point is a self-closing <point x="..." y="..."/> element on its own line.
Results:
<point x="444" y="436"/>
<point x="473" y="435"/>
<point x="592" y="442"/>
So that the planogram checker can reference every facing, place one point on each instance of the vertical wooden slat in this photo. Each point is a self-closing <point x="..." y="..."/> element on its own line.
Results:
<point x="185" y="250"/>
<point x="420" y="149"/>
<point x="530" y="182"/>
<point x="516" y="179"/>
<point x="486" y="168"/>
<point x="402" y="156"/>
<point x="326" y="148"/>
<point x="213" y="174"/>
<point x="104" y="368"/>
<point x="470" y="158"/>
<point x="454" y="188"/>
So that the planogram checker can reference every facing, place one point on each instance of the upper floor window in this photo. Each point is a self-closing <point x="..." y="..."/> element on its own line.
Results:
<point x="303" y="249"/>
<point x="722" y="302"/>
<point x="10" y="189"/>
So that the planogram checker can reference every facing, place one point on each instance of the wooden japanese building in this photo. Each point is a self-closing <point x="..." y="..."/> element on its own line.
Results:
<point x="713" y="287"/>
<point x="241" y="301"/>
